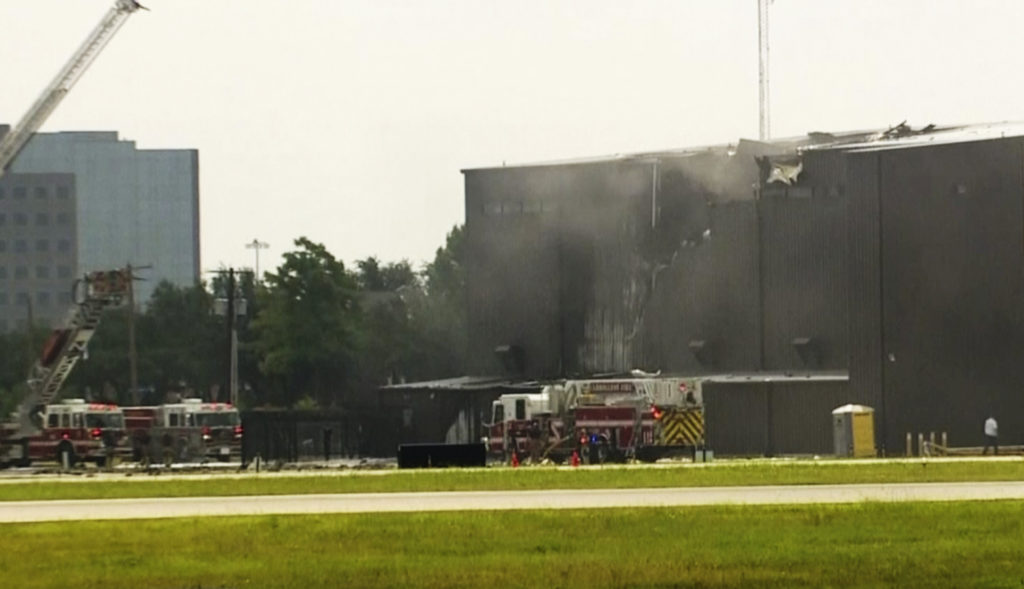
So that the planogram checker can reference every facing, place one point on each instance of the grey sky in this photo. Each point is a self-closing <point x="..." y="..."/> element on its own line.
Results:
<point x="348" y="121"/>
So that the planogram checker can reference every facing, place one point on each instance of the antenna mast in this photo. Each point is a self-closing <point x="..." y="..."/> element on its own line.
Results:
<point x="762" y="34"/>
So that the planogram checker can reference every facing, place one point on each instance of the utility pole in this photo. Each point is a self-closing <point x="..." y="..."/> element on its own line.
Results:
<point x="231" y="307"/>
<point x="257" y="245"/>
<point x="30" y="337"/>
<point x="133" y="364"/>
<point x="232" y="340"/>
<point x="762" y="70"/>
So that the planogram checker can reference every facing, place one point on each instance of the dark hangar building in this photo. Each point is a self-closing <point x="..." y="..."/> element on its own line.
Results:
<point x="884" y="268"/>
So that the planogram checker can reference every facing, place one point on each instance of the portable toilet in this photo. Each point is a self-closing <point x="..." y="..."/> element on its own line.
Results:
<point x="853" y="428"/>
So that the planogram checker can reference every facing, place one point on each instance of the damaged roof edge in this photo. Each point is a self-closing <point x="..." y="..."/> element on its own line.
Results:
<point x="895" y="136"/>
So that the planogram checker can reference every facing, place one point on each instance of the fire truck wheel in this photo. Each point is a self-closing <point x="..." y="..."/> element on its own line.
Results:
<point x="65" y="448"/>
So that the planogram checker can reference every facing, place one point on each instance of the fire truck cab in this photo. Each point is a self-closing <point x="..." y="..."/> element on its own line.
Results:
<point x="186" y="431"/>
<point x="515" y="417"/>
<point x="76" y="431"/>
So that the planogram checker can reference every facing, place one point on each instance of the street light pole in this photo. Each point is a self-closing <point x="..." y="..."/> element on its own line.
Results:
<point x="257" y="245"/>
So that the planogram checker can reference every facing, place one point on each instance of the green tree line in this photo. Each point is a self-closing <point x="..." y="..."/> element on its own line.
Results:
<point x="315" y="333"/>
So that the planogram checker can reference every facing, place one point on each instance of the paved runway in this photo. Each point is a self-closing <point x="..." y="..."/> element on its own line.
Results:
<point x="37" y="511"/>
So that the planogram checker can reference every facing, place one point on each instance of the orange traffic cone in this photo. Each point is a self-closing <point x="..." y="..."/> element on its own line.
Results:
<point x="575" y="458"/>
<point x="515" y="460"/>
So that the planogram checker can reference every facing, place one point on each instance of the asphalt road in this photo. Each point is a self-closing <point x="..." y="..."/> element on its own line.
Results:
<point x="37" y="511"/>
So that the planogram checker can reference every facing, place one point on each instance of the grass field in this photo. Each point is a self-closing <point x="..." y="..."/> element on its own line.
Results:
<point x="721" y="474"/>
<point x="869" y="545"/>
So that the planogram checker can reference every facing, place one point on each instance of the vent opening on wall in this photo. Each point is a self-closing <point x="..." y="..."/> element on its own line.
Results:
<point x="703" y="351"/>
<point x="809" y="350"/>
<point x="512" y="358"/>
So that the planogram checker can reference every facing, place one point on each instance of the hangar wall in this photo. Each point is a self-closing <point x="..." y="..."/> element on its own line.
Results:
<point x="950" y="289"/>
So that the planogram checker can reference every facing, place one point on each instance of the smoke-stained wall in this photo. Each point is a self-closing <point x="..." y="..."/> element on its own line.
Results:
<point x="513" y="267"/>
<point x="646" y="262"/>
<point x="552" y="265"/>
<point x="705" y="310"/>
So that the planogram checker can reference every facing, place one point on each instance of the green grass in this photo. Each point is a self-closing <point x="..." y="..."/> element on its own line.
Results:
<point x="869" y="544"/>
<point x="722" y="474"/>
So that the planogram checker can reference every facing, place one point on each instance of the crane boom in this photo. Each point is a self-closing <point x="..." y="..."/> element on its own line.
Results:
<point x="16" y="138"/>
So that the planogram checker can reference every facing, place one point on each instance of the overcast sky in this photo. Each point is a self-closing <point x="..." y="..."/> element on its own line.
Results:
<point x="348" y="121"/>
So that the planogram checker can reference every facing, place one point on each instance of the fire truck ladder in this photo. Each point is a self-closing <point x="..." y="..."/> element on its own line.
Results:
<point x="102" y="291"/>
<point x="16" y="138"/>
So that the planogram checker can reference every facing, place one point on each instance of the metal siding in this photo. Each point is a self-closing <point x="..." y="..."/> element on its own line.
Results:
<point x="611" y="215"/>
<point x="606" y="283"/>
<point x="803" y="244"/>
<point x="952" y="283"/>
<point x="735" y="418"/>
<point x="513" y="269"/>
<point x="864" y="264"/>
<point x="802" y="415"/>
<point x="710" y="293"/>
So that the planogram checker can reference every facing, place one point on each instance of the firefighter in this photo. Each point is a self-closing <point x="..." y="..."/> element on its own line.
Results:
<point x="534" y="441"/>
<point x="581" y="446"/>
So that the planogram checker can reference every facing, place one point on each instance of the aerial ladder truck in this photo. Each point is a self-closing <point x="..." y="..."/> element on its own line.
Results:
<point x="41" y="429"/>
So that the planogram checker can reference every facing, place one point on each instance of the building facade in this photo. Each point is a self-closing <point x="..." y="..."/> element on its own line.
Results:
<point x="137" y="206"/>
<point x="882" y="268"/>
<point x="38" y="248"/>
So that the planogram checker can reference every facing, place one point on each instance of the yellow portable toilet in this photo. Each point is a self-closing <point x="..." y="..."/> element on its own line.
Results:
<point x="853" y="427"/>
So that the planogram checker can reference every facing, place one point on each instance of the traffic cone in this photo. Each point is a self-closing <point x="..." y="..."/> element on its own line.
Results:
<point x="515" y="460"/>
<point x="575" y="458"/>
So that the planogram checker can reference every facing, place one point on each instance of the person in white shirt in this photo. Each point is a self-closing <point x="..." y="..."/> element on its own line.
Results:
<point x="991" y="435"/>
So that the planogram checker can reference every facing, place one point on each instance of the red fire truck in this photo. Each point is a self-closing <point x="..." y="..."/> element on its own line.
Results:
<point x="600" y="419"/>
<point x="74" y="430"/>
<point x="188" y="431"/>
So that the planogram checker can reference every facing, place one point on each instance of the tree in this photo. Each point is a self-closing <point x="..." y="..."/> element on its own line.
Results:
<point x="373" y="278"/>
<point x="389" y="347"/>
<point x="178" y="339"/>
<point x="18" y="351"/>
<point x="441" y="313"/>
<point x="181" y="340"/>
<point x="307" y="328"/>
